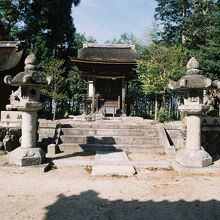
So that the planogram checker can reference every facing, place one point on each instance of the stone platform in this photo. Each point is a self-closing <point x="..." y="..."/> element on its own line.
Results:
<point x="109" y="164"/>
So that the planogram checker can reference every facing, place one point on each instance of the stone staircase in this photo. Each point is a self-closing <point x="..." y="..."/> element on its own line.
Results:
<point x="121" y="134"/>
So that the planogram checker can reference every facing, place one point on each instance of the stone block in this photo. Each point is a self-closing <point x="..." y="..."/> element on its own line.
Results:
<point x="110" y="163"/>
<point x="52" y="149"/>
<point x="26" y="156"/>
<point x="112" y="170"/>
<point x="11" y="116"/>
<point x="190" y="158"/>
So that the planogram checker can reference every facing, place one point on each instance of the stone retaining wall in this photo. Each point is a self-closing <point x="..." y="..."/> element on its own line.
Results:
<point x="210" y="134"/>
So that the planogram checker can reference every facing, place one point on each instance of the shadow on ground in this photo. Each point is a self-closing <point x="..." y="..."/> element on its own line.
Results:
<point x="88" y="205"/>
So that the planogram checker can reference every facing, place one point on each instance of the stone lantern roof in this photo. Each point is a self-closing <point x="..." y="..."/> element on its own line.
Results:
<point x="193" y="79"/>
<point x="30" y="76"/>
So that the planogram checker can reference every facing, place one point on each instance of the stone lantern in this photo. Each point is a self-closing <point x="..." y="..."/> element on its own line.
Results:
<point x="193" y="85"/>
<point x="29" y="83"/>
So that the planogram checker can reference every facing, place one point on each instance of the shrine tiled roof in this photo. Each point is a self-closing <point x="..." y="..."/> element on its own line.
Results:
<point x="107" y="53"/>
<point x="10" y="54"/>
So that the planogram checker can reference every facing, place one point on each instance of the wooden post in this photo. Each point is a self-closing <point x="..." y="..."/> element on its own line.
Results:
<point x="96" y="102"/>
<point x="123" y="95"/>
<point x="93" y="96"/>
<point x="85" y="107"/>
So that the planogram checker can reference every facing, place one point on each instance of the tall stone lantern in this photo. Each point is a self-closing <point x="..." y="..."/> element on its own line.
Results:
<point x="29" y="82"/>
<point x="193" y="85"/>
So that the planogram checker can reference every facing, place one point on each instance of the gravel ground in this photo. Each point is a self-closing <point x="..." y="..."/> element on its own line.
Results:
<point x="72" y="193"/>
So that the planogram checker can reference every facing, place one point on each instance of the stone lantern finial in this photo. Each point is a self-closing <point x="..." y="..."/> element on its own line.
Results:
<point x="193" y="66"/>
<point x="31" y="62"/>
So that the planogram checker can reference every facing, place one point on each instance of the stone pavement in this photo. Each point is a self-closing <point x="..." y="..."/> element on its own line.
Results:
<point x="150" y="160"/>
<point x="108" y="163"/>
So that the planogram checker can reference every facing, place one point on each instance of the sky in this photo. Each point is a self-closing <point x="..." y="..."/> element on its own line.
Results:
<point x="108" y="19"/>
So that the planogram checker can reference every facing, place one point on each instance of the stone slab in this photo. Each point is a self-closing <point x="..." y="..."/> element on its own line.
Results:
<point x="26" y="156"/>
<point x="214" y="168"/>
<point x="52" y="149"/>
<point x="193" y="158"/>
<point x="115" y="156"/>
<point x="112" y="170"/>
<point x="11" y="116"/>
<point x="68" y="162"/>
<point x="114" y="166"/>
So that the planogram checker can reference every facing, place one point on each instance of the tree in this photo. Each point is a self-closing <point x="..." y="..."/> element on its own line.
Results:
<point x="128" y="38"/>
<point x="151" y="34"/>
<point x="11" y="13"/>
<point x="57" y="91"/>
<point x="159" y="66"/>
<point x="49" y="23"/>
<point x="184" y="21"/>
<point x="209" y="53"/>
<point x="76" y="87"/>
<point x="125" y="38"/>
<point x="80" y="39"/>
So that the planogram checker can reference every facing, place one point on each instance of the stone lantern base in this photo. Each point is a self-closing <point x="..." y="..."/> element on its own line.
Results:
<point x="26" y="156"/>
<point x="193" y="158"/>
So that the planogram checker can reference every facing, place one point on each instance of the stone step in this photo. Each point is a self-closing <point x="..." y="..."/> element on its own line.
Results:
<point x="109" y="147"/>
<point x="105" y="125"/>
<point x="109" y="139"/>
<point x="109" y="132"/>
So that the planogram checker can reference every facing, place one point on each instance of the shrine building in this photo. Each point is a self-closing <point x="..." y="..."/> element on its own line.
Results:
<point x="107" y="69"/>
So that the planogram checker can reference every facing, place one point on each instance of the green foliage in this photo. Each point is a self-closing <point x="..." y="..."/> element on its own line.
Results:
<point x="77" y="85"/>
<point x="51" y="23"/>
<point x="164" y="115"/>
<point x="151" y="34"/>
<point x="160" y="66"/>
<point x="196" y="24"/>
<point x="80" y="39"/>
<point x="54" y="69"/>
<point x="209" y="53"/>
<point x="184" y="21"/>
<point x="11" y="12"/>
<point x="128" y="38"/>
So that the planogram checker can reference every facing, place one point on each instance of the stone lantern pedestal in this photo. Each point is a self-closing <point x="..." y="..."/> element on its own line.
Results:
<point x="193" y="85"/>
<point x="29" y="82"/>
<point x="28" y="153"/>
<point x="193" y="155"/>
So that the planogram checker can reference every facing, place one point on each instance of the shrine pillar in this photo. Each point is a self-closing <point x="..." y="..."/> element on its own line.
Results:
<point x="93" y="95"/>
<point x="123" y="94"/>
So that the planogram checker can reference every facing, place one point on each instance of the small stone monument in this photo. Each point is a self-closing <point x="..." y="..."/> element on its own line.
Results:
<point x="193" y="85"/>
<point x="29" y="82"/>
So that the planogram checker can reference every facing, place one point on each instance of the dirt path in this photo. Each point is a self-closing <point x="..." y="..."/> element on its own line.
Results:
<point x="72" y="193"/>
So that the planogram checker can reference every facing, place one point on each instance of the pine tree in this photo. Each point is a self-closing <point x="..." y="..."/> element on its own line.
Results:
<point x="49" y="29"/>
<point x="184" y="21"/>
<point x="11" y="13"/>
<point x="209" y="53"/>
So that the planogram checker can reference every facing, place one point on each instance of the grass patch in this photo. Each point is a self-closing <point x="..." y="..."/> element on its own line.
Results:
<point x="88" y="168"/>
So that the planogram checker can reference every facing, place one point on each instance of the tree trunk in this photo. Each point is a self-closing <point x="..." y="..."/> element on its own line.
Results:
<point x="156" y="108"/>
<point x="183" y="36"/>
<point x="54" y="110"/>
